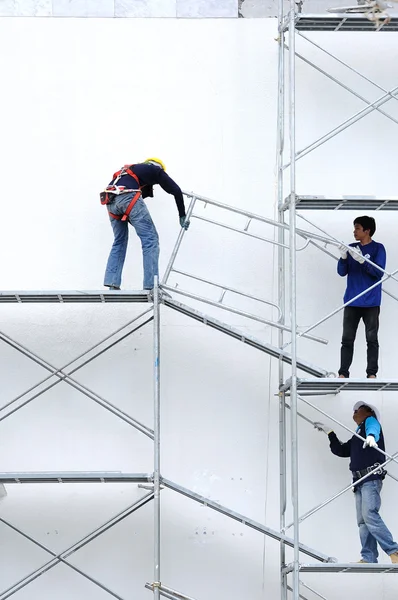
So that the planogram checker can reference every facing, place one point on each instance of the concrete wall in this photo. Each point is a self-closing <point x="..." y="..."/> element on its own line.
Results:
<point x="83" y="97"/>
<point x="153" y="8"/>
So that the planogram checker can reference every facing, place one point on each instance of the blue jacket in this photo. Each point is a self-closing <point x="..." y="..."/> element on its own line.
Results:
<point x="360" y="277"/>
<point x="149" y="175"/>
<point x="361" y="458"/>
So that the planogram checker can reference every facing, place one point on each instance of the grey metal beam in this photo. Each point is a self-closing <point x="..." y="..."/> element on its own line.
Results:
<point x="276" y="535"/>
<point x="57" y="558"/>
<point x="345" y="203"/>
<point x="345" y="568"/>
<point x="341" y="22"/>
<point x="79" y="296"/>
<point x="74" y="477"/>
<point x="242" y="337"/>
<point x="168" y="592"/>
<point x="335" y="385"/>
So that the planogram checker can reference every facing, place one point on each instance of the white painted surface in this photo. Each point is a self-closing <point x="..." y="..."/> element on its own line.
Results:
<point x="209" y="112"/>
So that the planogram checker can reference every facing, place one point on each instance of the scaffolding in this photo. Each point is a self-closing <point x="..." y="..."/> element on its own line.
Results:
<point x="292" y="388"/>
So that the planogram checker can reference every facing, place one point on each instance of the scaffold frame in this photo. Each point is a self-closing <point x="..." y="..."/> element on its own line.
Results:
<point x="294" y="388"/>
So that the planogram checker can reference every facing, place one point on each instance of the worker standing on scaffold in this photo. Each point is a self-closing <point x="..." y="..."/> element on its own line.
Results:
<point x="124" y="200"/>
<point x="360" y="276"/>
<point x="364" y="458"/>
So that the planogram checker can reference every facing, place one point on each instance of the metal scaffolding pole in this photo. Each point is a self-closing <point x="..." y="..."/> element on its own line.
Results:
<point x="281" y="293"/>
<point x="156" y="470"/>
<point x="293" y="22"/>
<point x="292" y="280"/>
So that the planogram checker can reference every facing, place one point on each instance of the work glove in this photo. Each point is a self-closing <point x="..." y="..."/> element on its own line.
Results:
<point x="184" y="222"/>
<point x="343" y="252"/>
<point x="370" y="441"/>
<point x="321" y="427"/>
<point x="356" y="254"/>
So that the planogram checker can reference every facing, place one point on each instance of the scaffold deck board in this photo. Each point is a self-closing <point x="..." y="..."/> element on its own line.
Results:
<point x="333" y="386"/>
<point x="341" y="22"/>
<point x="82" y="296"/>
<point x="74" y="477"/>
<point x="349" y="568"/>
<point x="346" y="203"/>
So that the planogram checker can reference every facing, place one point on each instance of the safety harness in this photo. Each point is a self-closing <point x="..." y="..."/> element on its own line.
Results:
<point x="108" y="195"/>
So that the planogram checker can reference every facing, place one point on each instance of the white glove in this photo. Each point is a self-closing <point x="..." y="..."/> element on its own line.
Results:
<point x="356" y="254"/>
<point x="321" y="427"/>
<point x="370" y="441"/>
<point x="343" y="252"/>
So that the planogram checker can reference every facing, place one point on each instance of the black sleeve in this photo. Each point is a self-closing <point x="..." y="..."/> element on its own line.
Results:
<point x="339" y="448"/>
<point x="170" y="186"/>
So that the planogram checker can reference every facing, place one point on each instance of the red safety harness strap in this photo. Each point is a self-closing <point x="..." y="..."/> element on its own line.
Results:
<point x="133" y="200"/>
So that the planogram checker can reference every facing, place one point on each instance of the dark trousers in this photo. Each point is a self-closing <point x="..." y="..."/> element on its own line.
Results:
<point x="352" y="316"/>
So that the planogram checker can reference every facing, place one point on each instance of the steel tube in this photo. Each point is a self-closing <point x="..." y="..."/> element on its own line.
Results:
<point x="345" y="87"/>
<point x="68" y="364"/>
<point x="74" y="383"/>
<point x="293" y="308"/>
<point x="156" y="457"/>
<point x="276" y="535"/>
<point x="382" y="89"/>
<point x="242" y="337"/>
<point x="334" y="312"/>
<point x="229" y="289"/>
<point x="348" y="247"/>
<point x="169" y="592"/>
<point x="290" y="589"/>
<point x="347" y="123"/>
<point x="313" y="591"/>
<point x="281" y="292"/>
<point x="77" y="546"/>
<point x="242" y="231"/>
<point x="65" y="562"/>
<point x="347" y="428"/>
<point x="343" y="491"/>
<point x="344" y="426"/>
<point x="300" y="232"/>
<point x="236" y="311"/>
<point x="180" y="237"/>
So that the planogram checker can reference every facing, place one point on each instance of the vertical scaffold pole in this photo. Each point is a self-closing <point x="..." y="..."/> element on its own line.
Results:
<point x="281" y="286"/>
<point x="156" y="473"/>
<point x="292" y="278"/>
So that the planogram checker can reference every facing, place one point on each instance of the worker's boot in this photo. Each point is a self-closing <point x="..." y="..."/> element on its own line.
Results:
<point x="394" y="557"/>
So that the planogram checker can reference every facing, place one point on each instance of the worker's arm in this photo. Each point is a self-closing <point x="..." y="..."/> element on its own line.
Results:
<point x="379" y="259"/>
<point x="342" y="264"/>
<point x="339" y="448"/>
<point x="372" y="427"/>
<point x="170" y="186"/>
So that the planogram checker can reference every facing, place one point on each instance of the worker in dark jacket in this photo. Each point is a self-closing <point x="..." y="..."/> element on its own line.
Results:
<point x="125" y="204"/>
<point x="364" y="457"/>
<point x="360" y="276"/>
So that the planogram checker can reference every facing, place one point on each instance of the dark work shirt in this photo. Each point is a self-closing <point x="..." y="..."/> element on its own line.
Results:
<point x="360" y="458"/>
<point x="150" y="175"/>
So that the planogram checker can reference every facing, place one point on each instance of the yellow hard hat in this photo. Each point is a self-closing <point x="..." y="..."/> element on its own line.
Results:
<point x="157" y="162"/>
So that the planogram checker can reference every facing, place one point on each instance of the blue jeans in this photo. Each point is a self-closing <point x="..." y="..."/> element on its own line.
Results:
<point x="372" y="529"/>
<point x="142" y="222"/>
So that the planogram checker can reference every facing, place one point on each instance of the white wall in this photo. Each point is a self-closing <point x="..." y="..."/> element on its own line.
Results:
<point x="83" y="97"/>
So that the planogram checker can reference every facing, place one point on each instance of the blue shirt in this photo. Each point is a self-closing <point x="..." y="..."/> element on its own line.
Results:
<point x="362" y="276"/>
